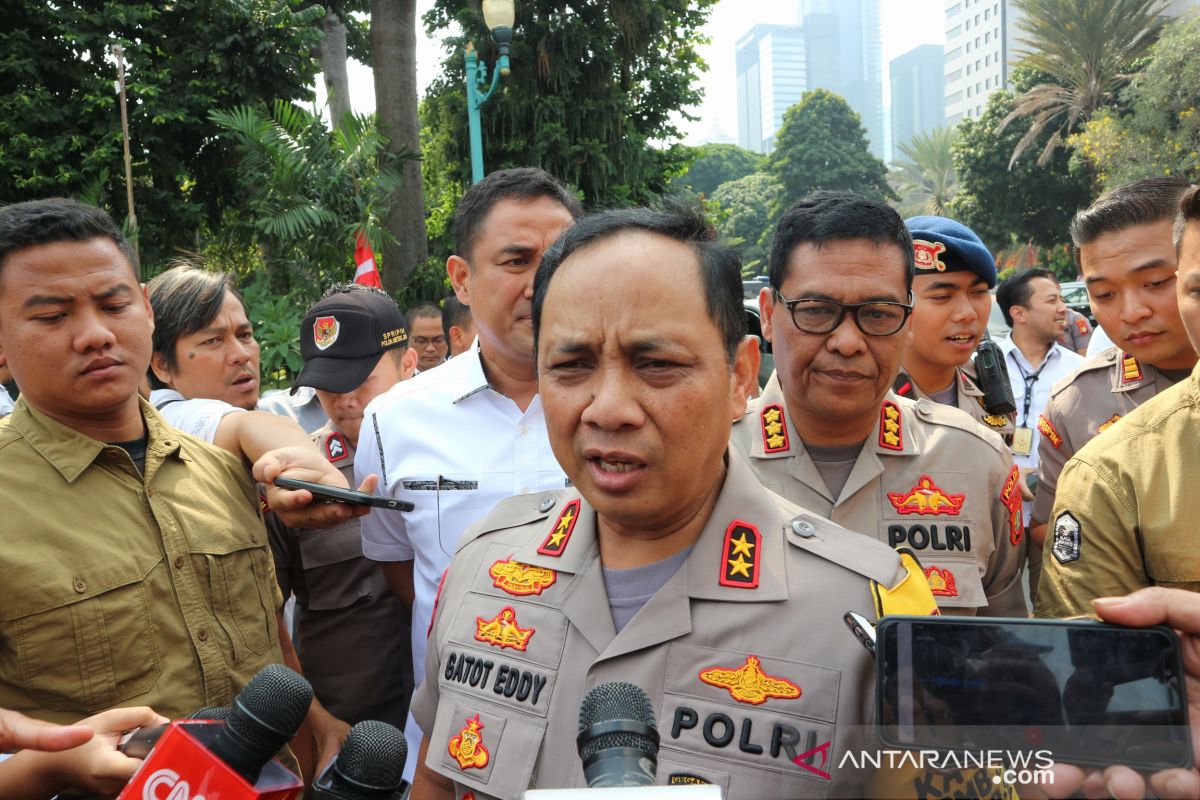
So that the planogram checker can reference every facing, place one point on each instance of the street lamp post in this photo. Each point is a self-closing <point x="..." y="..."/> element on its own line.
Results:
<point x="499" y="16"/>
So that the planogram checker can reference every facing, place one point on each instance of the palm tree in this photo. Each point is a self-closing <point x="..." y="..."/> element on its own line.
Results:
<point x="925" y="179"/>
<point x="1085" y="49"/>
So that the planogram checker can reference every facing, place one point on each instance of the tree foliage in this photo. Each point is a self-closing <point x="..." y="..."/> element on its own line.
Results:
<point x="1027" y="203"/>
<point x="823" y="145"/>
<point x="1160" y="133"/>
<point x="1086" y="50"/>
<point x="749" y="208"/>
<point x="925" y="177"/>
<point x="592" y="97"/>
<point x="60" y="130"/>
<point x="715" y="164"/>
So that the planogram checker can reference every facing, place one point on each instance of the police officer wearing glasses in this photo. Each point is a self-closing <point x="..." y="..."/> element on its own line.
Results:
<point x="829" y="434"/>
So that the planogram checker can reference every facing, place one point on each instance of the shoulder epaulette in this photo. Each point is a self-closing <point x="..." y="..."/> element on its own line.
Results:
<point x="515" y="511"/>
<point x="868" y="557"/>
<point x="951" y="417"/>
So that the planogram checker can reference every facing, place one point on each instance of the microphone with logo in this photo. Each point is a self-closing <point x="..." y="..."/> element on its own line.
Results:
<point x="231" y="759"/>
<point x="369" y="767"/>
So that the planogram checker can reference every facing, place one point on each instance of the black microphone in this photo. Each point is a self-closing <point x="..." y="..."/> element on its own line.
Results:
<point x="139" y="742"/>
<point x="369" y="767"/>
<point x="618" y="737"/>
<point x="265" y="716"/>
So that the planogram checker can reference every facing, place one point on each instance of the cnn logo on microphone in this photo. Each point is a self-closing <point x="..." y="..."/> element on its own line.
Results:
<point x="167" y="779"/>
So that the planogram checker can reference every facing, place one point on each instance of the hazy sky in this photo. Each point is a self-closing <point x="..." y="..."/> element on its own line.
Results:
<point x="904" y="24"/>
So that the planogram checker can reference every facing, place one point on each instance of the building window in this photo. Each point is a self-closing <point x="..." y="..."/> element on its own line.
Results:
<point x="954" y="76"/>
<point x="968" y="47"/>
<point x="968" y="69"/>
<point x="968" y="91"/>
<point x="954" y="9"/>
<point x="953" y="54"/>
<point x="987" y="37"/>
<point x="956" y="97"/>
<point x="976" y="88"/>
<point x="987" y="13"/>
<point x="987" y="61"/>
<point x="953" y="32"/>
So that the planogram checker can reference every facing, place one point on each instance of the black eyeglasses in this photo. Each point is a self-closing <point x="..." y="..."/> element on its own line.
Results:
<point x="823" y="316"/>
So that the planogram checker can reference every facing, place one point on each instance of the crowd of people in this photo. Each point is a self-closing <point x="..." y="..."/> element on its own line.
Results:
<point x="600" y="489"/>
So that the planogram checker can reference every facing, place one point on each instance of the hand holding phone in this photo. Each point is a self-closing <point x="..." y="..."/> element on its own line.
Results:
<point x="331" y="494"/>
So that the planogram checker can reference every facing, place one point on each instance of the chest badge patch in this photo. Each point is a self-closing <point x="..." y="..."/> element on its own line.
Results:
<point x="521" y="580"/>
<point x="739" y="558"/>
<point x="502" y="630"/>
<point x="1067" y="538"/>
<point x="466" y="747"/>
<point x="557" y="540"/>
<point x="995" y="421"/>
<point x="927" y="498"/>
<point x="890" y="434"/>
<point x="1131" y="370"/>
<point x="1103" y="426"/>
<point x="749" y="684"/>
<point x="774" y="429"/>
<point x="335" y="447"/>
<point x="926" y="255"/>
<point x="325" y="332"/>
<point x="941" y="582"/>
<point x="1010" y="495"/>
<point x="1048" y="431"/>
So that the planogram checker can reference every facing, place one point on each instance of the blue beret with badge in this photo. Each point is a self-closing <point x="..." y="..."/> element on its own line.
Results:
<point x="943" y="245"/>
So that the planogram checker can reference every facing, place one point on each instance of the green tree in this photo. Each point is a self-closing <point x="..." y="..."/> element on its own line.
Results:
<point x="925" y="177"/>
<point x="593" y="96"/>
<point x="716" y="164"/>
<point x="1085" y="49"/>
<point x="1025" y="203"/>
<point x="749" y="208"/>
<point x="1160" y="135"/>
<point x="823" y="145"/>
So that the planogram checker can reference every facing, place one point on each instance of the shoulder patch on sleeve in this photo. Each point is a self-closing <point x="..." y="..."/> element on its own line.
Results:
<point x="910" y="595"/>
<point x="335" y="447"/>
<point x="1068" y="538"/>
<point x="1048" y="431"/>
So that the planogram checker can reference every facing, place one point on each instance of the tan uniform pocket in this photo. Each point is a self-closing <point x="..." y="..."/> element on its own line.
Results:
<point x="484" y="751"/>
<point x="1175" y="565"/>
<point x="241" y="587"/>
<point x="955" y="580"/>
<point x="336" y="575"/>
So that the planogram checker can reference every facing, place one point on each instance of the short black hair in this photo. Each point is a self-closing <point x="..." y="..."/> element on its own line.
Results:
<point x="838" y="216"/>
<point x="185" y="298"/>
<point x="423" y="310"/>
<point x="454" y="312"/>
<point x="521" y="183"/>
<point x="1138" y="203"/>
<point x="1016" y="291"/>
<point x="57" y="219"/>
<point x="720" y="266"/>
<point x="1189" y="212"/>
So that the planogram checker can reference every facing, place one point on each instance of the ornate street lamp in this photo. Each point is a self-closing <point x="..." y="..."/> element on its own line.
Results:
<point x="499" y="16"/>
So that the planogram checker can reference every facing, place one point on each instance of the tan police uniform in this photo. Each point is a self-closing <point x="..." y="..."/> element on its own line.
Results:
<point x="1078" y="333"/>
<point x="1127" y="506"/>
<point x="352" y="633"/>
<point x="522" y="631"/>
<point x="927" y="478"/>
<point x="121" y="589"/>
<point x="970" y="400"/>
<point x="1104" y="389"/>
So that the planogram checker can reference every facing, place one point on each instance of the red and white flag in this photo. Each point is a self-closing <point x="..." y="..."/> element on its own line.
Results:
<point x="367" y="273"/>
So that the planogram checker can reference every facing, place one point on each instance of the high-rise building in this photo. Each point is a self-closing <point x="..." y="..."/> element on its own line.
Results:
<point x="918" y="93"/>
<point x="770" y="80"/>
<point x="981" y="44"/>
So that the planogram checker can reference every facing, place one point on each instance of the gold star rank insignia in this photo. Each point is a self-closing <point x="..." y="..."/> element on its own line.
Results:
<point x="774" y="429"/>
<point x="891" y="436"/>
<point x="749" y="684"/>
<point x="502" y="630"/>
<point x="521" y="579"/>
<point x="739" y="558"/>
<point x="556" y="542"/>
<point x="467" y="746"/>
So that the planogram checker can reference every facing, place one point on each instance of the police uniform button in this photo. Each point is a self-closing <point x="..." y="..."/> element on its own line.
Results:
<point x="79" y="586"/>
<point x="804" y="529"/>
<point x="924" y="407"/>
<point x="546" y="504"/>
<point x="178" y="562"/>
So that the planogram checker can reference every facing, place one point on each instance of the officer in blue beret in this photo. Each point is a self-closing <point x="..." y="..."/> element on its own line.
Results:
<point x="952" y="301"/>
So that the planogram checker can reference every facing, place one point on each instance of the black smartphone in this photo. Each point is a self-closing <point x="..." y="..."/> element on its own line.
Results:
<point x="1085" y="692"/>
<point x="330" y="494"/>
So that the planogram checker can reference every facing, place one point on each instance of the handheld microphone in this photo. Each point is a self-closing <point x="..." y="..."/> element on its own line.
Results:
<point x="265" y="717"/>
<point x="369" y="767"/>
<point x="618" y="737"/>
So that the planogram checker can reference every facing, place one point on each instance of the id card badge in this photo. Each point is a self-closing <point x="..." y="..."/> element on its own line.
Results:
<point x="1022" y="442"/>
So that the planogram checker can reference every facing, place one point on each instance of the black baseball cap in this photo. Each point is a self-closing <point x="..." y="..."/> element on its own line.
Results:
<point x="343" y="337"/>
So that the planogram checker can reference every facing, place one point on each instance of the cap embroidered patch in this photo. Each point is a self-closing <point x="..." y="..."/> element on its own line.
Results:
<point x="890" y="435"/>
<point x="325" y="332"/>
<point x="926" y="255"/>
<point x="927" y="498"/>
<point x="520" y="579"/>
<point x="1047" y="430"/>
<point x="774" y="429"/>
<point x="749" y="684"/>
<point x="466" y="747"/>
<point x="557" y="540"/>
<point x="1068" y="538"/>
<point x="941" y="581"/>
<point x="1106" y="425"/>
<point x="1131" y="370"/>
<point x="1010" y="495"/>
<point x="739" y="558"/>
<point x="335" y="447"/>
<point x="502" y="630"/>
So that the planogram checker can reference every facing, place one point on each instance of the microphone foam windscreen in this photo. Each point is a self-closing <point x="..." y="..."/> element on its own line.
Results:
<point x="373" y="755"/>
<point x="278" y="700"/>
<point x="616" y="701"/>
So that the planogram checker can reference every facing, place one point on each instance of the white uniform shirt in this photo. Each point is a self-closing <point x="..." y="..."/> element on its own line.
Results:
<point x="198" y="417"/>
<point x="454" y="447"/>
<point x="1099" y="342"/>
<point x="6" y="403"/>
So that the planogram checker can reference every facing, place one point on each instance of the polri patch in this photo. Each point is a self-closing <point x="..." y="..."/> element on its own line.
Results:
<point x="941" y="581"/>
<point x="1048" y="431"/>
<point x="466" y="747"/>
<point x="1131" y="370"/>
<point x="521" y="580"/>
<point x="1103" y="426"/>
<point x="926" y="498"/>
<point x="926" y="255"/>
<point x="749" y="684"/>
<point x="560" y="535"/>
<point x="1010" y="496"/>
<point x="774" y="429"/>
<point x="1068" y="537"/>
<point x="891" y="436"/>
<point x="503" y="631"/>
<point x="739" y="557"/>
<point x="335" y="447"/>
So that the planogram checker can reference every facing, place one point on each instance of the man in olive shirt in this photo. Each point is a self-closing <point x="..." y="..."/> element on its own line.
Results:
<point x="1126" y="510"/>
<point x="135" y="562"/>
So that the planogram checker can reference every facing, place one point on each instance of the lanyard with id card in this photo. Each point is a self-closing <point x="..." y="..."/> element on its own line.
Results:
<point x="1023" y="437"/>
